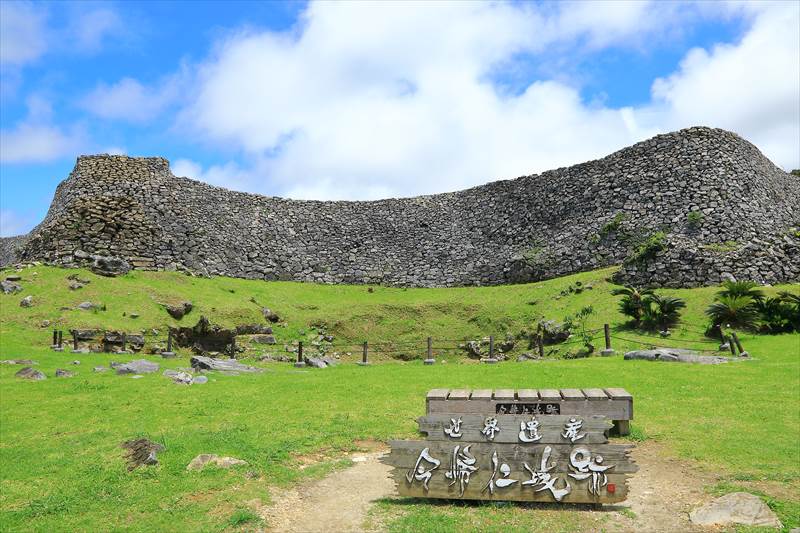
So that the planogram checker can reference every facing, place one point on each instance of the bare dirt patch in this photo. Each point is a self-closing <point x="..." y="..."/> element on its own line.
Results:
<point x="338" y="503"/>
<point x="662" y="492"/>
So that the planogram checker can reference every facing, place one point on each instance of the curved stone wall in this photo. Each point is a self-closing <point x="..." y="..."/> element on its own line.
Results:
<point x="534" y="227"/>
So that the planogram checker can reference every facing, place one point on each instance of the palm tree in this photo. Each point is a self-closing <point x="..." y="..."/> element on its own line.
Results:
<point x="662" y="311"/>
<point x="741" y="288"/>
<point x="734" y="310"/>
<point x="792" y="302"/>
<point x="632" y="303"/>
<point x="774" y="314"/>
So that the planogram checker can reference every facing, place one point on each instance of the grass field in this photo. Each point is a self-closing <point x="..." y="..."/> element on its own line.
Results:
<point x="61" y="467"/>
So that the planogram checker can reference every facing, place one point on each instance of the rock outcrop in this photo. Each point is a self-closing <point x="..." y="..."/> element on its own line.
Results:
<point x="687" y="208"/>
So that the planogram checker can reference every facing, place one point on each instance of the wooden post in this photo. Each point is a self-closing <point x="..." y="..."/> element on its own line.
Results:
<point x="60" y="338"/>
<point x="731" y="345"/>
<point x="169" y="340"/>
<point x="364" y="354"/>
<point x="124" y="340"/>
<point x="74" y="340"/>
<point x="738" y="344"/>
<point x="491" y="347"/>
<point x="300" y="352"/>
<point x="540" y="341"/>
<point x="607" y="332"/>
<point x="430" y="348"/>
<point x="55" y="337"/>
<point x="719" y="332"/>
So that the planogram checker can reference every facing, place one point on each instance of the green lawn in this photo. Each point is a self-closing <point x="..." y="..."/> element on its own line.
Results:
<point x="61" y="466"/>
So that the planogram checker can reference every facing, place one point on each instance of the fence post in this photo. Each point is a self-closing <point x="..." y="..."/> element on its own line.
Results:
<point x="124" y="340"/>
<point x="60" y="338"/>
<point x="607" y="332"/>
<point x="491" y="347"/>
<point x="169" y="340"/>
<point x="300" y="362"/>
<point x="430" y="360"/>
<point x="742" y="352"/>
<point x="55" y="338"/>
<point x="364" y="354"/>
<point x="540" y="342"/>
<point x="74" y="341"/>
<point x="731" y="345"/>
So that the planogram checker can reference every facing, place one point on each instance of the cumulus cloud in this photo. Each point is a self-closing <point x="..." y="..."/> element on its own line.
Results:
<point x="751" y="87"/>
<point x="130" y="100"/>
<point x="36" y="139"/>
<point x="22" y="33"/>
<point x="367" y="100"/>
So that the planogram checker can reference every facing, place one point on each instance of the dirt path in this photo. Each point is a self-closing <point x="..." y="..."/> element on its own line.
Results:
<point x="662" y="493"/>
<point x="338" y="503"/>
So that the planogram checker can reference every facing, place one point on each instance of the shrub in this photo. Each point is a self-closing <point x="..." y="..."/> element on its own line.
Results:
<point x="792" y="303"/>
<point x="661" y="311"/>
<point x="775" y="315"/>
<point x="734" y="310"/>
<point x="741" y="288"/>
<point x="694" y="219"/>
<point x="632" y="302"/>
<point x="612" y="225"/>
<point x="579" y="322"/>
<point x="648" y="247"/>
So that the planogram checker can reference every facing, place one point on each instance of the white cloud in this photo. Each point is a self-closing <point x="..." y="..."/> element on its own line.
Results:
<point x="89" y="29"/>
<point x="752" y="87"/>
<point x="129" y="100"/>
<point x="114" y="150"/>
<point x="366" y="100"/>
<point x="37" y="139"/>
<point x="22" y="33"/>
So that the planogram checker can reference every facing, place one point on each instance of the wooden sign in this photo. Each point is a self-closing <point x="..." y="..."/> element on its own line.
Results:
<point x="520" y="457"/>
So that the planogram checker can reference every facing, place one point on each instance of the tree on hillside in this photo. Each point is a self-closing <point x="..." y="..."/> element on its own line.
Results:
<point x="741" y="288"/>
<point x="734" y="310"/>
<point x="661" y="311"/>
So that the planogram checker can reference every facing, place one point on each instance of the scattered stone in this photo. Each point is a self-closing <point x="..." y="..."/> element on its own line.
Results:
<point x="330" y="361"/>
<point x="676" y="355"/>
<point x="167" y="355"/>
<point x="9" y="287"/>
<point x="736" y="508"/>
<point x="200" y="362"/>
<point x="141" y="452"/>
<point x="270" y="315"/>
<point x="61" y="373"/>
<point x="473" y="349"/>
<point x="76" y="362"/>
<point x="140" y="366"/>
<point x="552" y="332"/>
<point x="527" y="357"/>
<point x="99" y="369"/>
<point x="109" y="266"/>
<point x="315" y="362"/>
<point x="264" y="339"/>
<point x="30" y="373"/>
<point x="26" y="302"/>
<point x="429" y="361"/>
<point x="13" y="277"/>
<point x="179" y="311"/>
<point x="18" y="362"/>
<point x="489" y="360"/>
<point x="181" y="378"/>
<point x="84" y="334"/>
<point x="79" y="350"/>
<point x="89" y="306"/>
<point x="134" y="315"/>
<point x="200" y="462"/>
<point x="253" y="329"/>
<point x="74" y="285"/>
<point x="199" y="380"/>
<point x="45" y="324"/>
<point x="203" y="337"/>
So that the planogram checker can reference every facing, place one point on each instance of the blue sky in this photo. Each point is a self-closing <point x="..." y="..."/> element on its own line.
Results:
<point x="361" y="101"/>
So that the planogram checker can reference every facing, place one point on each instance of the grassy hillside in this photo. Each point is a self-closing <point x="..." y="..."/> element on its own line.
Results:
<point x="61" y="466"/>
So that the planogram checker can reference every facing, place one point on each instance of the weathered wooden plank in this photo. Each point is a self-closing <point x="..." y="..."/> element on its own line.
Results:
<point x="549" y="395"/>
<point x="595" y="394"/>
<point x="504" y="394"/>
<point x="437" y="394"/>
<point x="458" y="394"/>
<point x="572" y="394"/>
<point x="404" y="454"/>
<point x="441" y="487"/>
<point x="613" y="409"/>
<point x="527" y="395"/>
<point x="549" y="428"/>
<point x="481" y="394"/>
<point x="617" y="393"/>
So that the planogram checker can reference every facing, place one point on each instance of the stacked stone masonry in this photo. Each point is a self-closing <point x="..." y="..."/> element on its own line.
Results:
<point x="534" y="227"/>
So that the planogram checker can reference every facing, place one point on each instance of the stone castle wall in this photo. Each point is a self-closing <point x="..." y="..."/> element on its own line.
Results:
<point x="533" y="227"/>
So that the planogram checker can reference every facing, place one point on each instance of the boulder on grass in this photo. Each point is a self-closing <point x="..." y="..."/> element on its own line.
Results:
<point x="30" y="373"/>
<point x="200" y="362"/>
<point x="26" y="302"/>
<point x="140" y="366"/>
<point x="109" y="266"/>
<point x="61" y="373"/>
<point x="735" y="508"/>
<point x="179" y="311"/>
<point x="200" y="462"/>
<point x="9" y="287"/>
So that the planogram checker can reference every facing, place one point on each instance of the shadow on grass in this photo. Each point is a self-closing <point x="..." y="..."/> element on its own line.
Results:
<point x="401" y="503"/>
